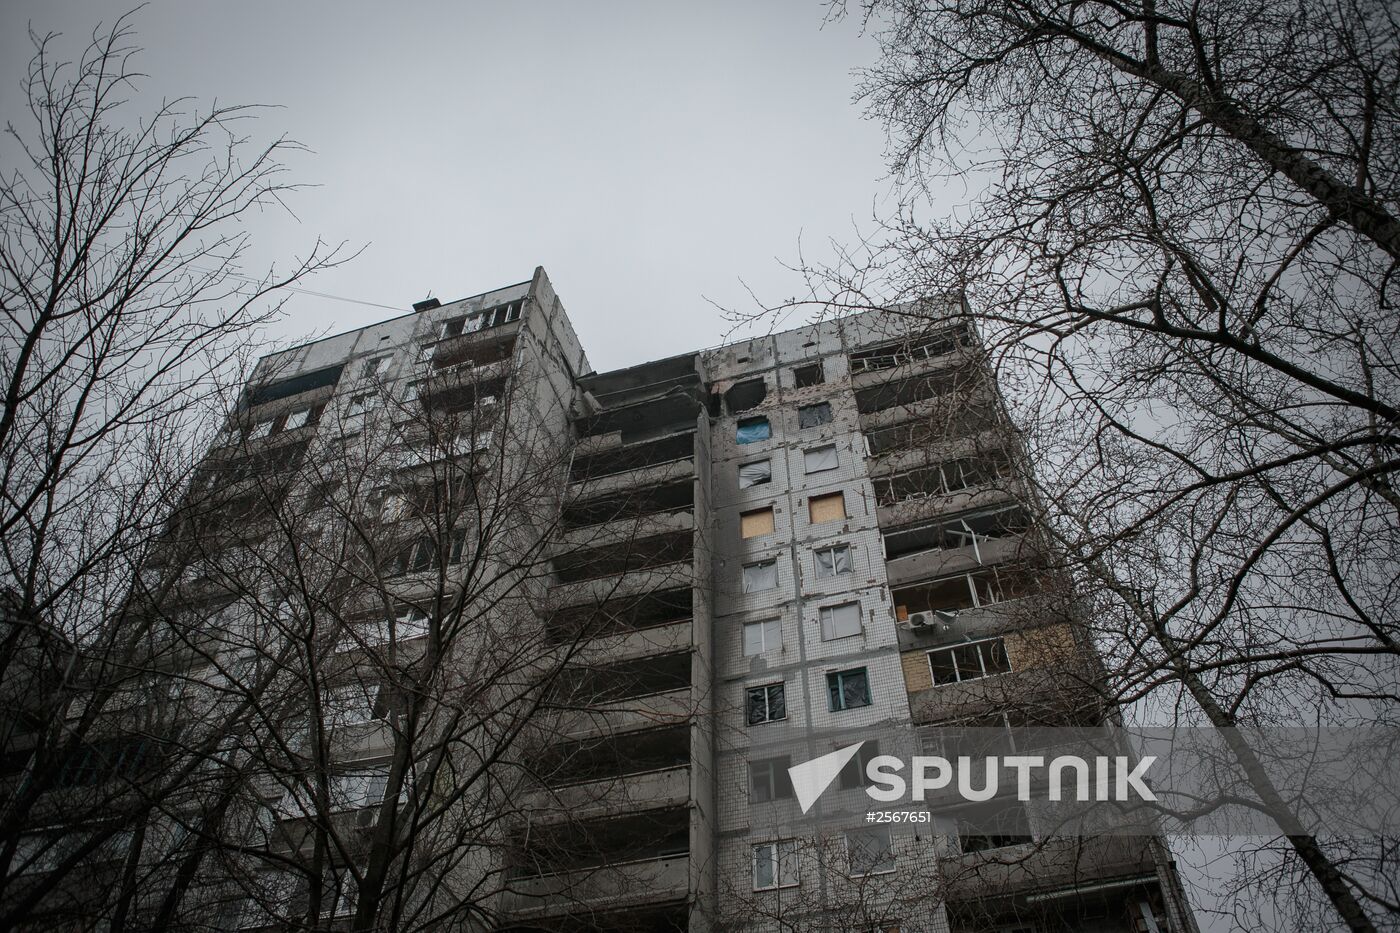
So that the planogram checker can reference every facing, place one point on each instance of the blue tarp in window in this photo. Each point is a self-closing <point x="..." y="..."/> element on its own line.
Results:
<point x="752" y="429"/>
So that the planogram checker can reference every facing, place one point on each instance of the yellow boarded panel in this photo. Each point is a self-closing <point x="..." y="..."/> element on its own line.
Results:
<point x="828" y="508"/>
<point x="753" y="524"/>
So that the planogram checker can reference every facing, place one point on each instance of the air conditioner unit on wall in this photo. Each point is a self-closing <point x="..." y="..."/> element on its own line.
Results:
<point x="935" y="621"/>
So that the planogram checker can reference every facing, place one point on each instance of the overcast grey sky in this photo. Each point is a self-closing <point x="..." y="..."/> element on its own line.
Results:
<point x="648" y="155"/>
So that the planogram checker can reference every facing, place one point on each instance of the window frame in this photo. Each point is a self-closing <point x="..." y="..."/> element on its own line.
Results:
<point x="825" y="612"/>
<point x="781" y="687"/>
<point x="951" y="651"/>
<point x="773" y="771"/>
<point x="836" y="688"/>
<point x="832" y="549"/>
<point x="783" y="852"/>
<point x="763" y="628"/>
<point x="889" y="856"/>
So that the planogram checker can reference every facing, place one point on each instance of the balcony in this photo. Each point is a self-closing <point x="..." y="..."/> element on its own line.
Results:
<point x="1000" y="874"/>
<point x="640" y="554"/>
<point x="619" y="616"/>
<point x="641" y="881"/>
<point x="600" y="467"/>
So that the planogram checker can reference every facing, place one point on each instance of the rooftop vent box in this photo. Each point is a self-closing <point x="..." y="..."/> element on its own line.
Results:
<point x="427" y="304"/>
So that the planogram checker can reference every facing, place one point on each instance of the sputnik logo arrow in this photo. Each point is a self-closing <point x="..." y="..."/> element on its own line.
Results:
<point x="810" y="778"/>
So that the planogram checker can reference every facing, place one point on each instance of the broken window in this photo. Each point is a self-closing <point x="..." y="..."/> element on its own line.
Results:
<point x="833" y="561"/>
<point x="840" y="621"/>
<point x="755" y="474"/>
<point x="809" y="375"/>
<point x="897" y="354"/>
<point x="745" y="395"/>
<point x="756" y="523"/>
<point x="848" y="689"/>
<point x="971" y="661"/>
<point x="761" y="576"/>
<point x="811" y="416"/>
<point x="820" y="459"/>
<point x="261" y="429"/>
<point x="452" y="327"/>
<point x="994" y="824"/>
<point x="752" y="430"/>
<point x="375" y="366"/>
<point x="765" y="704"/>
<point x="769" y="780"/>
<point x="762" y="636"/>
<point x="828" y="508"/>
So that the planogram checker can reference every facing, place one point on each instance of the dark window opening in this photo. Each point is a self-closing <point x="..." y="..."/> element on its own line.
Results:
<point x="745" y="395"/>
<point x="994" y="824"/>
<point x="622" y="615"/>
<point x="898" y="354"/>
<point x="623" y="680"/>
<point x="285" y="388"/>
<point x="615" y="755"/>
<point x="769" y="779"/>
<point x="634" y="457"/>
<point x="572" y="845"/>
<point x="811" y="416"/>
<point x="809" y="375"/>
<point x="904" y="392"/>
<point x="959" y="532"/>
<point x="673" y="497"/>
<point x="639" y="554"/>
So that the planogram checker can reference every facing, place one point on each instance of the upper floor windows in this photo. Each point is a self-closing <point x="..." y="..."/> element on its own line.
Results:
<point x="752" y="430"/>
<point x="755" y="474"/>
<point x="897" y="354"/>
<point x="811" y="416"/>
<point x="765" y="704"/>
<point x="826" y="508"/>
<point x="756" y="523"/>
<point x="808" y="375"/>
<point x="820" y="459"/>
<point x="297" y="418"/>
<point x="971" y="661"/>
<point x="848" y="689"/>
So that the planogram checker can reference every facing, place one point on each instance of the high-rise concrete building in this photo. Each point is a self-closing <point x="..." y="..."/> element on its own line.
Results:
<point x="731" y="562"/>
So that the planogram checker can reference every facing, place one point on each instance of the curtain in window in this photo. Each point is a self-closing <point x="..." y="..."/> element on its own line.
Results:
<point x="762" y="576"/>
<point x="819" y="459"/>
<point x="754" y="474"/>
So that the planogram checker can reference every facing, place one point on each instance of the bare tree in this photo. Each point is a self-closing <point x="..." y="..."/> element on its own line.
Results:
<point x="127" y="317"/>
<point x="1181" y="258"/>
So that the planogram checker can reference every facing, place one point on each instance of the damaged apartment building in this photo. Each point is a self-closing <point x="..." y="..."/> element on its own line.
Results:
<point x="572" y="628"/>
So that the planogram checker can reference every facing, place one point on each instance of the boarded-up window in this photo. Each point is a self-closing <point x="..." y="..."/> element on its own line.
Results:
<point x="827" y="508"/>
<point x="756" y="523"/>
<point x="755" y="474"/>
<point x="820" y="459"/>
